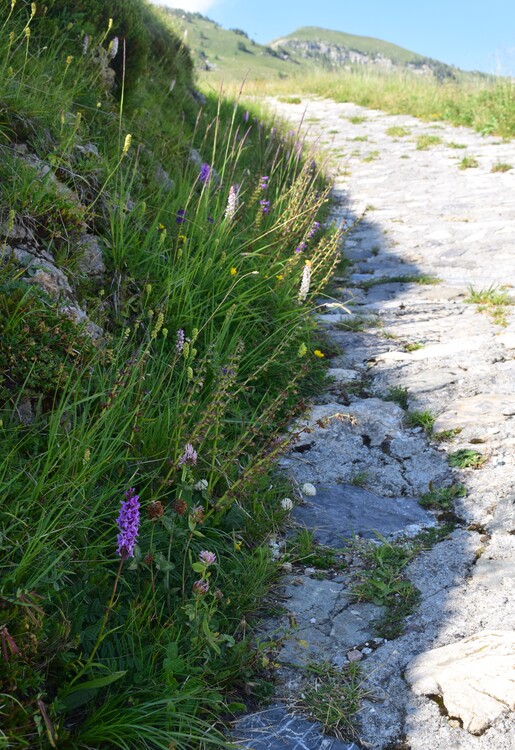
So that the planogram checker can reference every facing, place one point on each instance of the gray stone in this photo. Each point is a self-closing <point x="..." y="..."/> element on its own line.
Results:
<point x="91" y="262"/>
<point x="276" y="728"/>
<point x="341" y="511"/>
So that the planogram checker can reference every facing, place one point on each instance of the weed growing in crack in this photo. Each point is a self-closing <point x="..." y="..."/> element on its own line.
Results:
<point x="359" y="479"/>
<point x="407" y="278"/>
<point x="357" y="323"/>
<point x="501" y="166"/>
<point x="492" y="301"/>
<point x="333" y="697"/>
<point x="422" y="419"/>
<point x="466" y="458"/>
<point x="442" y="498"/>
<point x="413" y="346"/>
<point x="382" y="582"/>
<point x="468" y="162"/>
<point x="399" y="395"/>
<point x="444" y="436"/>
<point x="425" y="142"/>
<point x="398" y="131"/>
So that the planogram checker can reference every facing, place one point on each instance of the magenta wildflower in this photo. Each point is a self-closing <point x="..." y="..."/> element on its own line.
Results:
<point x="189" y="457"/>
<point x="206" y="557"/>
<point x="181" y="216"/>
<point x="128" y="524"/>
<point x="201" y="587"/>
<point x="179" y="341"/>
<point x="205" y="172"/>
<point x="263" y="183"/>
<point x="265" y="206"/>
<point x="300" y="247"/>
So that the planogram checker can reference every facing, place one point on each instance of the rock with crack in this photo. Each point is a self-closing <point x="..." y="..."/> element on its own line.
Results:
<point x="475" y="677"/>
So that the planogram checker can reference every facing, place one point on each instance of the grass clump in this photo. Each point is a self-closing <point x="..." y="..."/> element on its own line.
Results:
<point x="454" y="144"/>
<point x="492" y="301"/>
<point x="425" y="142"/>
<point x="442" y="498"/>
<point x="407" y="278"/>
<point x="501" y="166"/>
<point x="422" y="419"/>
<point x="382" y="582"/>
<point x="398" y="131"/>
<point x="466" y="458"/>
<point x="356" y="323"/>
<point x="399" y="395"/>
<point x="332" y="696"/>
<point x="468" y="162"/>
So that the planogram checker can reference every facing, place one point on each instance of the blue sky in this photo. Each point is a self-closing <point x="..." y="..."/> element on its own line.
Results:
<point x="472" y="34"/>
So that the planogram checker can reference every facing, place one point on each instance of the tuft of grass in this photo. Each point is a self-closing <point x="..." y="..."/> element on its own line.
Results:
<point x="466" y="458"/>
<point x="372" y="156"/>
<point x="360" y="138"/>
<point x="492" y="301"/>
<point x="407" y="278"/>
<point x="425" y="142"/>
<point x="442" y="498"/>
<point x="468" y="162"/>
<point x="446" y="435"/>
<point x="290" y="100"/>
<point x="453" y="144"/>
<point x="501" y="166"/>
<point x="413" y="346"/>
<point x="359" y="479"/>
<point x="357" y="119"/>
<point x="421" y="419"/>
<point x="332" y="696"/>
<point x="399" y="395"/>
<point x="398" y="131"/>
<point x="357" y="323"/>
<point x="382" y="582"/>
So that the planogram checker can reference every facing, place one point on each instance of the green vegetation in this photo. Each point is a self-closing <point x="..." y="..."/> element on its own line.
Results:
<point x="413" y="346"/>
<point x="421" y="419"/>
<point x="399" y="395"/>
<point x="442" y="498"/>
<point x="407" y="278"/>
<point x="466" y="458"/>
<point x="357" y="119"/>
<point x="453" y="144"/>
<point x="492" y="301"/>
<point x="359" y="479"/>
<point x="333" y="696"/>
<point x="425" y="142"/>
<point x="358" y="322"/>
<point x="382" y="582"/>
<point x="501" y="166"/>
<point x="146" y="378"/>
<point x="304" y="550"/>
<point x="372" y="156"/>
<point x="468" y="162"/>
<point x="398" y="131"/>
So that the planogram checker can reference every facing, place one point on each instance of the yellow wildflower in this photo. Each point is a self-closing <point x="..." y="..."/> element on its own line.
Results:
<point x="279" y="277"/>
<point x="302" y="350"/>
<point x="233" y="271"/>
<point x="318" y="353"/>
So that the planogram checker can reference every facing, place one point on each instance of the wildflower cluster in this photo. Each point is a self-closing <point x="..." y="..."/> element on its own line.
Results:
<point x="128" y="524"/>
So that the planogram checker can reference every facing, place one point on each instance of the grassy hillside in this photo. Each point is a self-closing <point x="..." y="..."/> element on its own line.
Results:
<point x="230" y="55"/>
<point x="158" y="262"/>
<point x="363" y="44"/>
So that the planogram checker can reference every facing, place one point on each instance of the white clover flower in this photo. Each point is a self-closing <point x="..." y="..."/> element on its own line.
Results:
<point x="287" y="504"/>
<point x="308" y="489"/>
<point x="201" y="485"/>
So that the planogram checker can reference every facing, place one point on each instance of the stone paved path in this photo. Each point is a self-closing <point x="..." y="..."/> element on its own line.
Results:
<point x="421" y="215"/>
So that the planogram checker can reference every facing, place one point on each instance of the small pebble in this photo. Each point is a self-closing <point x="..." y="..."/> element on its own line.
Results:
<point x="309" y="571"/>
<point x="308" y="489"/>
<point x="354" y="655"/>
<point x="366" y="650"/>
<point x="313" y="620"/>
<point x="287" y="567"/>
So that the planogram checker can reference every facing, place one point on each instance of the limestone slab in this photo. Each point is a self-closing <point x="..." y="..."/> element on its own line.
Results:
<point x="475" y="677"/>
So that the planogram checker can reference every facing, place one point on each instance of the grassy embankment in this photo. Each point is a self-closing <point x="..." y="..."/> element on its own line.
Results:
<point x="204" y="350"/>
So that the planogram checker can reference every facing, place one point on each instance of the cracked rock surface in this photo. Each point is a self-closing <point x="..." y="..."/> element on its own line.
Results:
<point x="447" y="682"/>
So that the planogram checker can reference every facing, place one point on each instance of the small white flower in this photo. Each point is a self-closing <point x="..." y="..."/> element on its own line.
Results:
<point x="308" y="489"/>
<point x="201" y="485"/>
<point x="305" y="282"/>
<point x="287" y="504"/>
<point x="232" y="202"/>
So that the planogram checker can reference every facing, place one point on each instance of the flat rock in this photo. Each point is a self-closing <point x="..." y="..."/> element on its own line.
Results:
<point x="340" y="511"/>
<point x="476" y="411"/>
<point x="475" y="677"/>
<point x="276" y="728"/>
